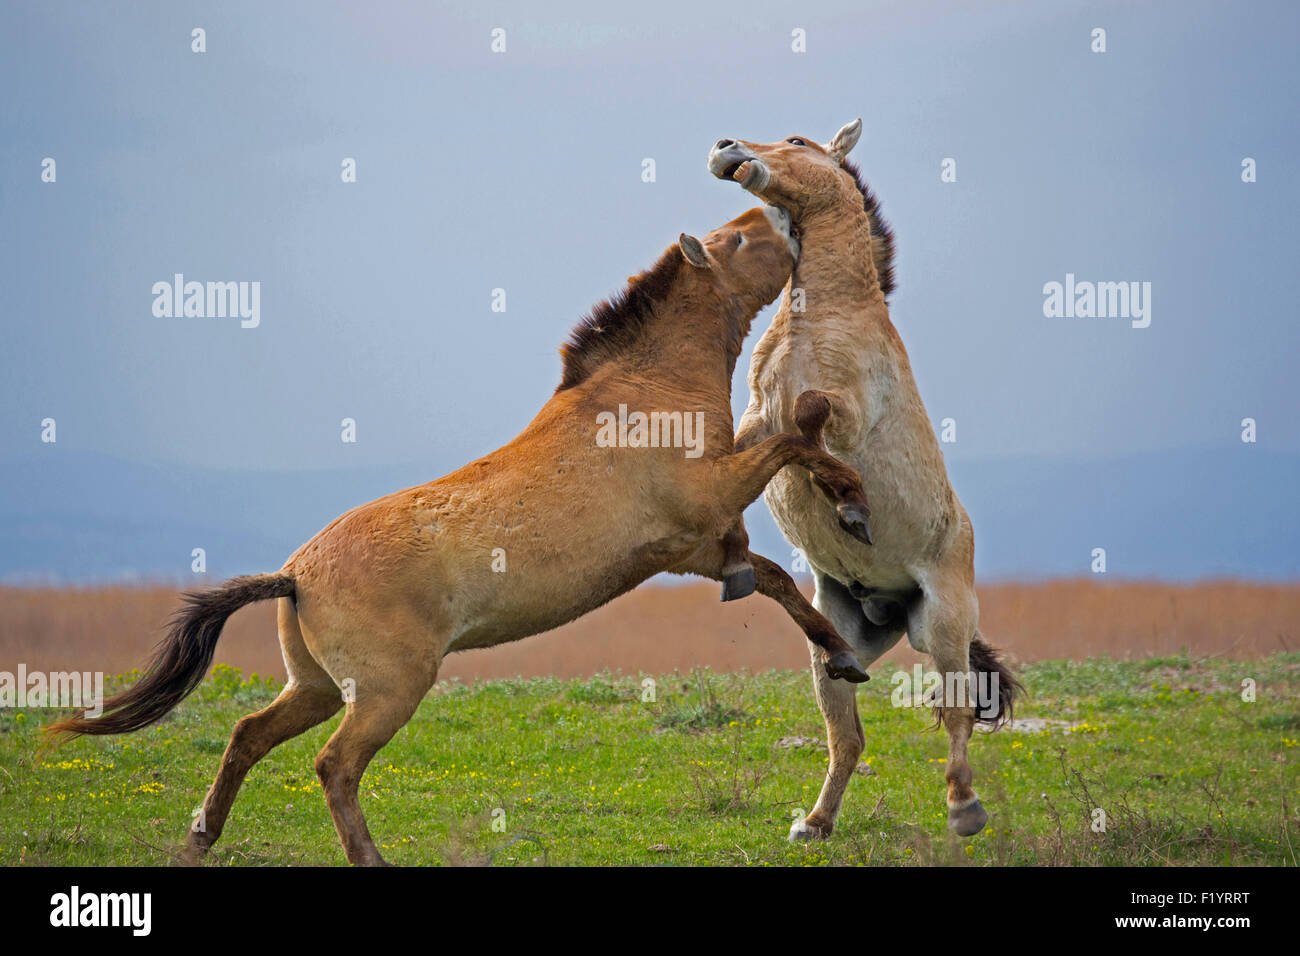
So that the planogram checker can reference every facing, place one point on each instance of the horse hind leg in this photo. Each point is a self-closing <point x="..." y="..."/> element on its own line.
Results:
<point x="845" y="741"/>
<point x="295" y="711"/>
<point x="837" y="701"/>
<point x="368" y="725"/>
<point x="308" y="698"/>
<point x="992" y="695"/>
<point x="966" y="815"/>
<point x="944" y="621"/>
<point x="388" y="691"/>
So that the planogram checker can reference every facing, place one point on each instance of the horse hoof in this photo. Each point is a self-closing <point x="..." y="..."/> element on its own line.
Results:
<point x="853" y="519"/>
<point x="739" y="584"/>
<point x="968" y="820"/>
<point x="191" y="855"/>
<point x="801" y="831"/>
<point x="194" y="851"/>
<point x="844" y="666"/>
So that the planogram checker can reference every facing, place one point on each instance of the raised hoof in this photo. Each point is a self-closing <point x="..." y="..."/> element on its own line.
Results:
<point x="968" y="820"/>
<point x="739" y="584"/>
<point x="844" y="666"/>
<point x="853" y="519"/>
<point x="801" y="831"/>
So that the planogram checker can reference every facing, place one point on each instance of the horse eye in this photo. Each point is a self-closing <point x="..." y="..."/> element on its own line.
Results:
<point x="740" y="240"/>
<point x="796" y="141"/>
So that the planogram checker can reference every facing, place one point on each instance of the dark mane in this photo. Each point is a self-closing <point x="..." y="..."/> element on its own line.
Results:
<point x="614" y="324"/>
<point x="882" y="237"/>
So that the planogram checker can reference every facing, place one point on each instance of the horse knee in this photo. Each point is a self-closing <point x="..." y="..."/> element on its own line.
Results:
<point x="811" y="411"/>
<point x="329" y="768"/>
<point x="850" y="751"/>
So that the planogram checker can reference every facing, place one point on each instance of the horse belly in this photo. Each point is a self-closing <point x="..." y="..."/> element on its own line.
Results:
<point x="541" y="592"/>
<point x="808" y="520"/>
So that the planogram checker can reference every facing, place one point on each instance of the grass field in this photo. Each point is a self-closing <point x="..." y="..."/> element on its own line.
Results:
<point x="544" y="771"/>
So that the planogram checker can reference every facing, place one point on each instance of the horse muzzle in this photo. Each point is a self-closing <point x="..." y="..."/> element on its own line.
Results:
<point x="731" y="160"/>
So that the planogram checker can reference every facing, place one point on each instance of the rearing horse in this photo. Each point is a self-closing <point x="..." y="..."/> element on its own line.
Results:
<point x="541" y="531"/>
<point x="836" y="371"/>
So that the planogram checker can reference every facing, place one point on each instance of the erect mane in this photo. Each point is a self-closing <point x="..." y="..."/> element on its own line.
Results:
<point x="614" y="324"/>
<point x="882" y="237"/>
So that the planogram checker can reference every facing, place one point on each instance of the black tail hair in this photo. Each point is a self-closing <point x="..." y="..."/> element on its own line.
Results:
<point x="985" y="659"/>
<point x="179" y="661"/>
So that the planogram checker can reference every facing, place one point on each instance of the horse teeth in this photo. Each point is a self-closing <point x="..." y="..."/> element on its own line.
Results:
<point x="742" y="171"/>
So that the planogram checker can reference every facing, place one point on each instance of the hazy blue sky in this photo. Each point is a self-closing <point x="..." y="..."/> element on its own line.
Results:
<point x="522" y="171"/>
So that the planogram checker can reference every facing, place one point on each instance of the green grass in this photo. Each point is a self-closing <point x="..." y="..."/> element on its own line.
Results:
<point x="590" y="772"/>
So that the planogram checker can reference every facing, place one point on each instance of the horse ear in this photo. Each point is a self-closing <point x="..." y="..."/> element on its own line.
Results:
<point x="845" y="140"/>
<point x="693" y="250"/>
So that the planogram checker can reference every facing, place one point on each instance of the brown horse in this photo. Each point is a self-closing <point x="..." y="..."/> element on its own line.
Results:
<point x="832" y="366"/>
<point x="587" y="502"/>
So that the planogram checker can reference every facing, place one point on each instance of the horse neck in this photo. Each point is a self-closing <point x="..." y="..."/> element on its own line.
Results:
<point x="695" y="340"/>
<point x="845" y="312"/>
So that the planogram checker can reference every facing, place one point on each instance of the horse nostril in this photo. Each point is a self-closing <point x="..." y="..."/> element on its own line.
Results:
<point x="724" y="143"/>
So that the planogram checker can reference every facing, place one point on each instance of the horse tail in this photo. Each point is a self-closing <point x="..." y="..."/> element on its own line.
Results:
<point x="180" y="660"/>
<point x="998" y="691"/>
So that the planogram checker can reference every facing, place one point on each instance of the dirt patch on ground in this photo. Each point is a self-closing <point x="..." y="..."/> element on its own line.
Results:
<point x="1036" y="725"/>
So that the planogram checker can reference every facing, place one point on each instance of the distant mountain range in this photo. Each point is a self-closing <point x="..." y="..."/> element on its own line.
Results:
<point x="70" y="518"/>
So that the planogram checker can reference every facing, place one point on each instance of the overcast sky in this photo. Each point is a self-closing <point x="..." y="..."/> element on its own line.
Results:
<point x="522" y="171"/>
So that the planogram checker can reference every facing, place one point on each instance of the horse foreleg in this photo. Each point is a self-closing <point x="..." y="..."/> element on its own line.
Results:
<point x="738" y="577"/>
<point x="816" y="412"/>
<point x="773" y="582"/>
<point x="819" y="413"/>
<point x="742" y="477"/>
